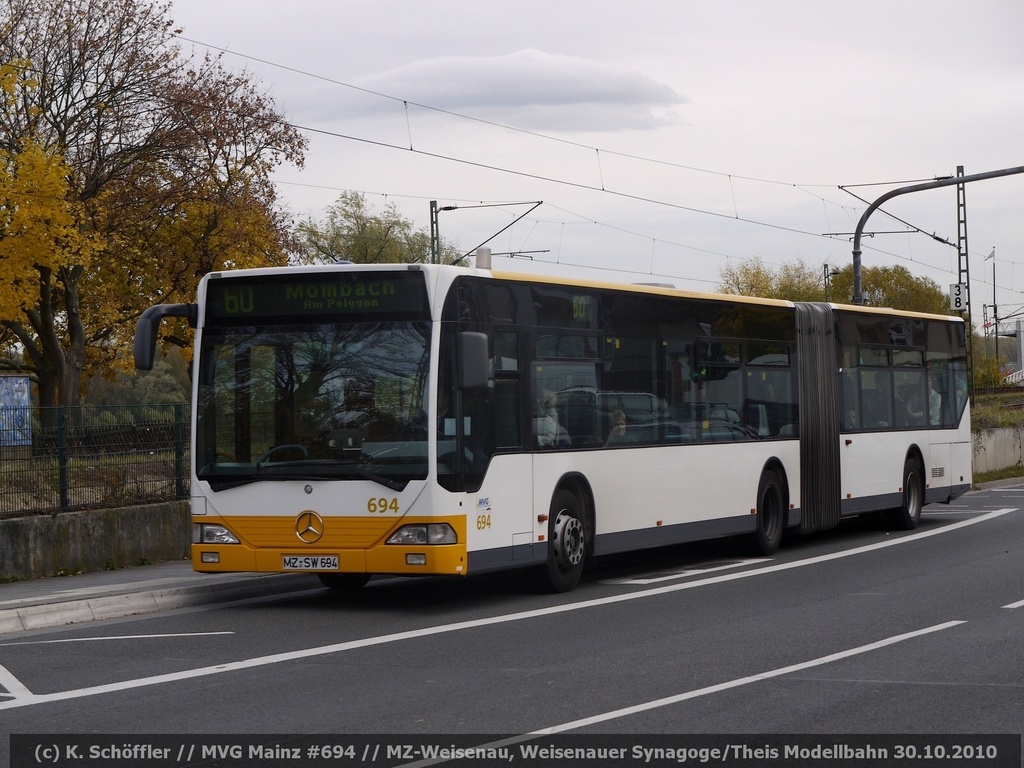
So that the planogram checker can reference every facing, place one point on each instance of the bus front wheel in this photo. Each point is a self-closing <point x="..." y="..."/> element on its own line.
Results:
<point x="567" y="542"/>
<point x="908" y="515"/>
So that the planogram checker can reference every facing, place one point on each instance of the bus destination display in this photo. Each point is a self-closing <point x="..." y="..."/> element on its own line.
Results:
<point x="325" y="295"/>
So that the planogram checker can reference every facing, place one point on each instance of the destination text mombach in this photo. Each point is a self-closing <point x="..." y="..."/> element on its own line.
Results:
<point x="340" y="290"/>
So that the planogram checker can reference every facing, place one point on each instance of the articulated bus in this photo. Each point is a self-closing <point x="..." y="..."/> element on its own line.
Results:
<point x="353" y="420"/>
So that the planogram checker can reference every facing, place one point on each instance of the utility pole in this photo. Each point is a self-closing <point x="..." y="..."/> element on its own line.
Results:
<point x="995" y="309"/>
<point x="435" y="249"/>
<point x="435" y="238"/>
<point x="959" y="180"/>
<point x="964" y="274"/>
<point x="858" y="296"/>
<point x="829" y="274"/>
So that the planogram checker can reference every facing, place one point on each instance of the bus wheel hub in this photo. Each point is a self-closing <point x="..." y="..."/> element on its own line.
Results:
<point x="568" y="540"/>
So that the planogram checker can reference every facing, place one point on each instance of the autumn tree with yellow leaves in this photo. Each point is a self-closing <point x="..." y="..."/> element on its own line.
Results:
<point x="130" y="170"/>
<point x="41" y="235"/>
<point x="38" y="228"/>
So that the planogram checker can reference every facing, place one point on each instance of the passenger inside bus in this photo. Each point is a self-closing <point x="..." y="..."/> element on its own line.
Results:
<point x="934" y="403"/>
<point x="618" y="433"/>
<point x="547" y="430"/>
<point x="912" y="405"/>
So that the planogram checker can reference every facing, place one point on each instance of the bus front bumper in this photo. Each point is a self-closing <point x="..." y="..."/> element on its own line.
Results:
<point x="329" y="556"/>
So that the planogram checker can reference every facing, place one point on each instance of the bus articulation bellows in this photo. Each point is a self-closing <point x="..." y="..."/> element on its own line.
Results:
<point x="352" y="420"/>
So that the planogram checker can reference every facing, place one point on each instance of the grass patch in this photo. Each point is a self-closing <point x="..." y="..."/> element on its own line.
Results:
<point x="997" y="411"/>
<point x="1007" y="473"/>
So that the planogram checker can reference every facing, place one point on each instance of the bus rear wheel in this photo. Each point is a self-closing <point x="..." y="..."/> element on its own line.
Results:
<point x="908" y="515"/>
<point x="567" y="542"/>
<point x="344" y="582"/>
<point x="771" y="514"/>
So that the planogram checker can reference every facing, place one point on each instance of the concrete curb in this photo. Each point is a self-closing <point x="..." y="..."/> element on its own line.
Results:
<point x="48" y="615"/>
<point x="1010" y="482"/>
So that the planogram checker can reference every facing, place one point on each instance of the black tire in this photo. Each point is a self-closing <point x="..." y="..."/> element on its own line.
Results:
<point x="908" y="514"/>
<point x="771" y="515"/>
<point x="344" y="582"/>
<point x="568" y="540"/>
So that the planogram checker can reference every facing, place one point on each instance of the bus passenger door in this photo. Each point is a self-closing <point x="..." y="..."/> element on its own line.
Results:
<point x="867" y="472"/>
<point x="871" y="478"/>
<point x="498" y="487"/>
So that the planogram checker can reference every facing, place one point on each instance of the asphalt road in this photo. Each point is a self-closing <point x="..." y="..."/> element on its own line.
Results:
<point x="856" y="631"/>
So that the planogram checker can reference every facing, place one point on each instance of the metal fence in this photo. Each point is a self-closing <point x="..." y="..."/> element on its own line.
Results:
<point x="58" y="459"/>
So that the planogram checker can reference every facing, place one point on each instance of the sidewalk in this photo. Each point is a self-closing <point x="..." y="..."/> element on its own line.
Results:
<point x="56" y="601"/>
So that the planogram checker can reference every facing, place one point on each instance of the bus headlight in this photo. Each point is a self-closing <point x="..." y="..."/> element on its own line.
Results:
<point x="205" y="533"/>
<point x="432" y="533"/>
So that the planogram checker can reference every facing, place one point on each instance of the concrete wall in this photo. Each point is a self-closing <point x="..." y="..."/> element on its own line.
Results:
<point x="997" y="449"/>
<point x="97" y="540"/>
<point x="93" y="540"/>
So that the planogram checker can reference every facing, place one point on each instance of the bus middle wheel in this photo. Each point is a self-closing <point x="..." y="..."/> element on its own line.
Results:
<point x="771" y="514"/>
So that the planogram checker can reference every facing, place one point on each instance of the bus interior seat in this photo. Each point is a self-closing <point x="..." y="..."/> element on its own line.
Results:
<point x="723" y="412"/>
<point x="757" y="419"/>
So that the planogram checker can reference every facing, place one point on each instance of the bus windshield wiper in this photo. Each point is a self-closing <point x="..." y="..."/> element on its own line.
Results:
<point x="223" y="485"/>
<point x="387" y="482"/>
<point x="293" y="470"/>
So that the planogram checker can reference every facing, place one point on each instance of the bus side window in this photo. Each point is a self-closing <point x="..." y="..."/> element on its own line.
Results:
<point x="506" y="381"/>
<point x="910" y="408"/>
<point x="851" y="400"/>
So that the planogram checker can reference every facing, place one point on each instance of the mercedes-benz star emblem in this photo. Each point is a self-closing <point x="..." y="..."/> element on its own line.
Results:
<point x="309" y="527"/>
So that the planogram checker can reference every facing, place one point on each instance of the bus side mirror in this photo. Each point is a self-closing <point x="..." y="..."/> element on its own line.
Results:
<point x="148" y="324"/>
<point x="473" y="360"/>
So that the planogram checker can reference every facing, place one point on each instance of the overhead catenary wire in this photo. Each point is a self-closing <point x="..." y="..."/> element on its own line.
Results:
<point x="602" y="187"/>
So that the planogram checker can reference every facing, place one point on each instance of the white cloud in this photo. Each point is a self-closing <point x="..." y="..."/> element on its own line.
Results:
<point x="534" y="90"/>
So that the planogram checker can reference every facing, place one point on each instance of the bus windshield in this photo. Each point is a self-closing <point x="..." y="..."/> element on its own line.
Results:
<point x="326" y="401"/>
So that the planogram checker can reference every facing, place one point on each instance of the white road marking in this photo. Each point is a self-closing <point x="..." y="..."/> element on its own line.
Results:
<point x="818" y="662"/>
<point x="12" y="685"/>
<point x="24" y="698"/>
<point x="1019" y="604"/>
<point x="711" y="689"/>
<point x="115" y="637"/>
<point x="686" y="573"/>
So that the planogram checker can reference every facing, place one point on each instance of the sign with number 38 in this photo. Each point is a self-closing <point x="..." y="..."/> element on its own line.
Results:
<point x="958" y="297"/>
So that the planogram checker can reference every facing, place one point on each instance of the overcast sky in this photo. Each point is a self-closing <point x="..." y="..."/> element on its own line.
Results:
<point x="665" y="138"/>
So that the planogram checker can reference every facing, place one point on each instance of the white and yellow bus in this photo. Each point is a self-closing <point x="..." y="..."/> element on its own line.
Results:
<point x="352" y="420"/>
